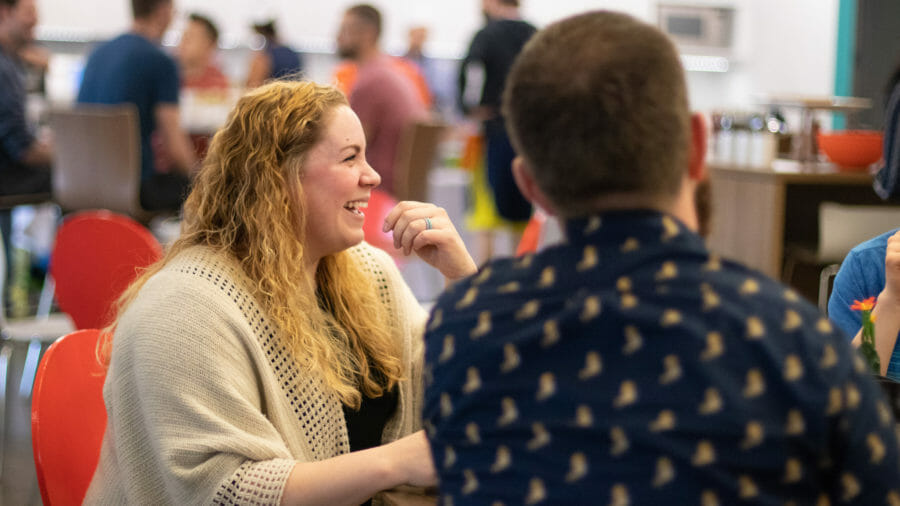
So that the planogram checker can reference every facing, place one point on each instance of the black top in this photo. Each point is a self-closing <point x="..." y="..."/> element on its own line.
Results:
<point x="495" y="47"/>
<point x="365" y="426"/>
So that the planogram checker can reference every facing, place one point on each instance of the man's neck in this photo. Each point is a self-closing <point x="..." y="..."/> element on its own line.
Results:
<point x="368" y="55"/>
<point x="8" y="45"/>
<point x="147" y="29"/>
<point x="505" y="12"/>
<point x="191" y="70"/>
<point x="680" y="206"/>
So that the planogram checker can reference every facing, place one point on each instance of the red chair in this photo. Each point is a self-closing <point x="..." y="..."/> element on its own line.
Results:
<point x="380" y="205"/>
<point x="531" y="236"/>
<point x="68" y="418"/>
<point x="96" y="256"/>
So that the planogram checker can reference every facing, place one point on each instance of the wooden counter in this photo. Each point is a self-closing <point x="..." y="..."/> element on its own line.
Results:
<point x="756" y="213"/>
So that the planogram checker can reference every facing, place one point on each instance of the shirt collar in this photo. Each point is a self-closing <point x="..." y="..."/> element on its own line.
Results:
<point x="630" y="228"/>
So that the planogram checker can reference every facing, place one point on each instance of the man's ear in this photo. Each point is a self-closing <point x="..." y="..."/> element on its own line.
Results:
<point x="528" y="186"/>
<point x="699" y="137"/>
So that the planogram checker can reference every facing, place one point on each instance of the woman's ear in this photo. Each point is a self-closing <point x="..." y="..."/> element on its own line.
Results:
<point x="529" y="187"/>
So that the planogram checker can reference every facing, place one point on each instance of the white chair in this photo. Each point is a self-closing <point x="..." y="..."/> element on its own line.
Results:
<point x="42" y="329"/>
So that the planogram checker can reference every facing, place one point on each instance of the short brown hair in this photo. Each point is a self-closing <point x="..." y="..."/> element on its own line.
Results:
<point x="597" y="105"/>
<point x="369" y="15"/>
<point x="144" y="8"/>
<point x="207" y="25"/>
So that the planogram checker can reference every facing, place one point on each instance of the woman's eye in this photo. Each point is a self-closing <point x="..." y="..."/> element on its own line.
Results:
<point x="350" y="158"/>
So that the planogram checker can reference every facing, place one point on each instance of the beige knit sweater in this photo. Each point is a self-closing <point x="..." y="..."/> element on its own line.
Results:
<point x="205" y="404"/>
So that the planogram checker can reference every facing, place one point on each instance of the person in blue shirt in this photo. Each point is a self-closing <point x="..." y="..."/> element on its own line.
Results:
<point x="24" y="158"/>
<point x="275" y="60"/>
<point x="871" y="269"/>
<point x="133" y="69"/>
<point x="629" y="364"/>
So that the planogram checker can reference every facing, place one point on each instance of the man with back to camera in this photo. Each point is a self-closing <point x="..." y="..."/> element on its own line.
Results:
<point x="385" y="100"/>
<point x="629" y="365"/>
<point x="133" y="69"/>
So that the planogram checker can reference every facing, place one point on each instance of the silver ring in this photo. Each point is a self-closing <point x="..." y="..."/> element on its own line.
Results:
<point x="428" y="223"/>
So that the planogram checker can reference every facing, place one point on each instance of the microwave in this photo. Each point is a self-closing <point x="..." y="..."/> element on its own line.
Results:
<point x="697" y="27"/>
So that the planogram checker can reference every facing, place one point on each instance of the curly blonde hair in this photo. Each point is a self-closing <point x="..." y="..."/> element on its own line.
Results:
<point x="248" y="202"/>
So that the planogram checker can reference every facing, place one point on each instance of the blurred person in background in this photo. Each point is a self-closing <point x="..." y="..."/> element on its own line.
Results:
<point x="482" y="75"/>
<point x="132" y="68"/>
<point x="385" y="100"/>
<point x="197" y="55"/>
<point x="24" y="157"/>
<point x="274" y="60"/>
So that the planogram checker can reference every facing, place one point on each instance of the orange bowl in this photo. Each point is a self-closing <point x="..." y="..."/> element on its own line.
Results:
<point x="852" y="149"/>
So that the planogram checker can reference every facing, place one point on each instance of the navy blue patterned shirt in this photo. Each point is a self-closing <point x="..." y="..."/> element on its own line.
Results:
<point x="631" y="366"/>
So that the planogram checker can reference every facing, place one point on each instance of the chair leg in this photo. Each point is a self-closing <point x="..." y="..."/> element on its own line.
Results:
<point x="5" y="356"/>
<point x="824" y="278"/>
<point x="46" y="300"/>
<point x="29" y="370"/>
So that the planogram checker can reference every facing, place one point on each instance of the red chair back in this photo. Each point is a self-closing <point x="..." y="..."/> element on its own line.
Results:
<point x="68" y="418"/>
<point x="380" y="205"/>
<point x="96" y="256"/>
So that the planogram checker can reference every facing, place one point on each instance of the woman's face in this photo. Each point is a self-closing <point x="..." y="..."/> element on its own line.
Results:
<point x="337" y="182"/>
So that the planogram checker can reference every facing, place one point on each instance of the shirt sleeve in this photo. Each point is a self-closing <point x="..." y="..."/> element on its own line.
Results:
<point x="849" y="285"/>
<point x="185" y="406"/>
<point x="15" y="137"/>
<point x="168" y="82"/>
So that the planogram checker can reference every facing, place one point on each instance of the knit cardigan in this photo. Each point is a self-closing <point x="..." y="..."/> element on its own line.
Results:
<point x="205" y="404"/>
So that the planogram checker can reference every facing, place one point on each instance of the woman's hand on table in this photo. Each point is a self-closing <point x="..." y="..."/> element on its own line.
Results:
<point x="426" y="229"/>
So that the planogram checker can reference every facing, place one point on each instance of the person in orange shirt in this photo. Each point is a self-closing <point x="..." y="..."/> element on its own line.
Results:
<point x="346" y="71"/>
<point x="385" y="99"/>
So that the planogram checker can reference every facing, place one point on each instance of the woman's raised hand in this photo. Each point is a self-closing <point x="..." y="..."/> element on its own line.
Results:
<point x="426" y="229"/>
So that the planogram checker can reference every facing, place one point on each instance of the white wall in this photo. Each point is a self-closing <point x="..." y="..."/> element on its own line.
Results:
<point x="781" y="46"/>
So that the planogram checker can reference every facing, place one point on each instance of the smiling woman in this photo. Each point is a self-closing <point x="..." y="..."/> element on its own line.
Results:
<point x="271" y="355"/>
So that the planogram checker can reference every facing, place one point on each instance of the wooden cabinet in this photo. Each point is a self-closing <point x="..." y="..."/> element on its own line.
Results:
<point x="756" y="213"/>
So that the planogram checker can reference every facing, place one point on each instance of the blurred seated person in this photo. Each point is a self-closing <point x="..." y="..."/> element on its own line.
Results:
<point x="274" y="60"/>
<point x="629" y="364"/>
<point x="272" y="357"/>
<point x="384" y="99"/>
<point x="197" y="53"/>
<point x="24" y="157"/>
<point x="871" y="269"/>
<point x="132" y="68"/>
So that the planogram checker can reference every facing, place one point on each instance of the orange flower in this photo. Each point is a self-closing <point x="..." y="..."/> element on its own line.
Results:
<point x="865" y="305"/>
